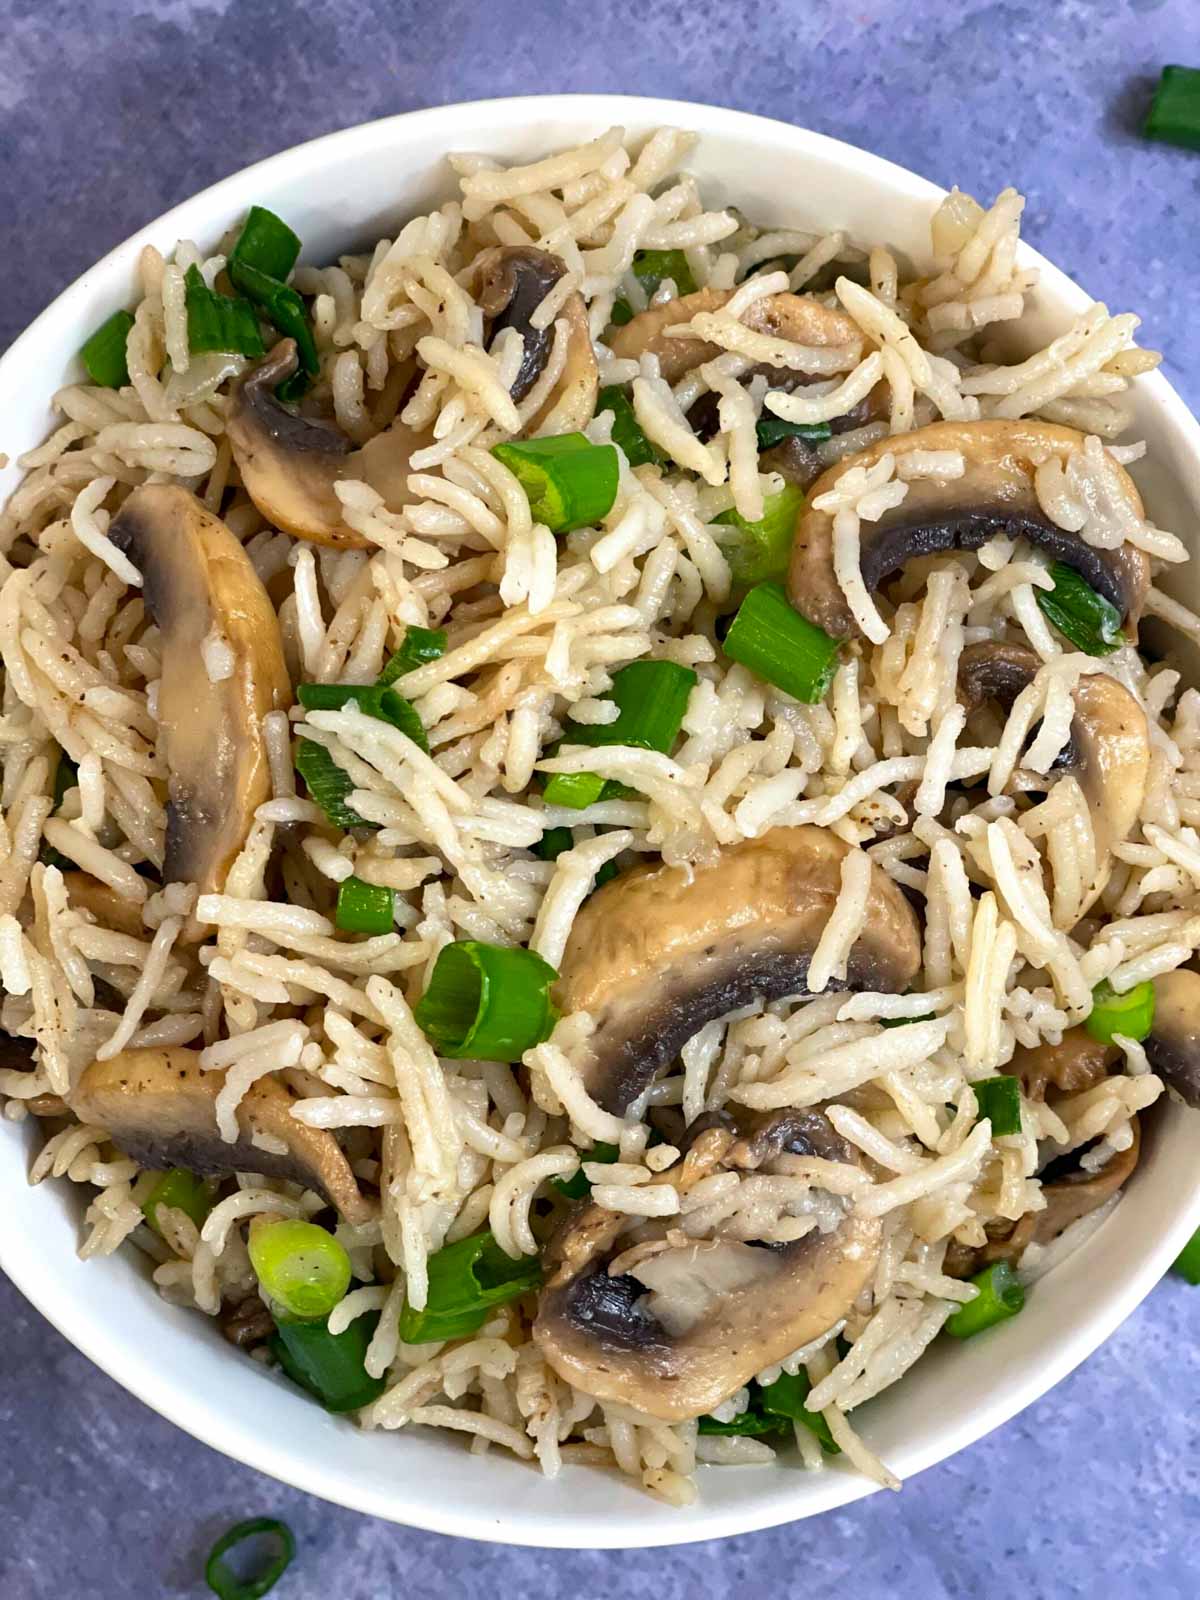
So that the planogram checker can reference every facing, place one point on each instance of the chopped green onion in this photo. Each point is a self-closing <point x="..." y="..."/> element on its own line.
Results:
<point x="780" y="645"/>
<point x="571" y="483"/>
<point x="606" y="874"/>
<point x="626" y="429"/>
<point x="376" y="700"/>
<point x="774" y="430"/>
<point x="486" y="1002"/>
<point x="1187" y="1265"/>
<point x="222" y="1579"/>
<point x="467" y="1279"/>
<point x="104" y="353"/>
<point x="328" y="784"/>
<point x="365" y="907"/>
<point x="419" y="645"/>
<point x="217" y="322"/>
<point x="284" y="308"/>
<point x="577" y="1185"/>
<point x="181" y="1190"/>
<point x="903" y="1022"/>
<point x="652" y="267"/>
<point x="759" y="551"/>
<point x="770" y="1410"/>
<point x="1130" y="1014"/>
<point x="302" y="1268"/>
<point x="574" y="790"/>
<point x="1174" y="115"/>
<point x="1000" y="1296"/>
<point x="329" y="1365"/>
<point x="651" y="698"/>
<point x="1087" y="619"/>
<point x="553" y="842"/>
<point x="622" y="312"/>
<point x="1000" y="1101"/>
<point x="267" y="244"/>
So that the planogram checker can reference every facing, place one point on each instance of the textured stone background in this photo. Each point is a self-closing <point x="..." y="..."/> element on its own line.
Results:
<point x="112" y="111"/>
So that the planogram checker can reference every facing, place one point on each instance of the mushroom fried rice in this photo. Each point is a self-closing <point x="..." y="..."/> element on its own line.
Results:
<point x="589" y="856"/>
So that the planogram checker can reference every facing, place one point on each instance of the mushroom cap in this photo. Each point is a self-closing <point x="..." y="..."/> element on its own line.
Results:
<point x="290" y="463"/>
<point x="106" y="904"/>
<point x="1173" y="1048"/>
<point x="687" y="1326"/>
<point x="660" y="951"/>
<point x="513" y="280"/>
<point x="198" y="581"/>
<point x="1076" y="1063"/>
<point x="799" y="317"/>
<point x="994" y="496"/>
<point x="160" y="1108"/>
<point x="1109" y="749"/>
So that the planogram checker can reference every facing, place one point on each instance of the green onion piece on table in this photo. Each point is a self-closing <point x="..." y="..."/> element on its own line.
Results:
<point x="571" y="482"/>
<point x="224" y="1581"/>
<point x="1187" y="1264"/>
<point x="419" y="646"/>
<point x="626" y="429"/>
<point x="651" y="699"/>
<point x="104" y="353"/>
<point x="218" y="322"/>
<point x="182" y="1191"/>
<point x="1087" y="619"/>
<point x="577" y="1185"/>
<point x="780" y="645"/>
<point x="329" y="1365"/>
<point x="266" y="244"/>
<point x="365" y="907"/>
<point x="1174" y="115"/>
<point x="1130" y="1014"/>
<point x="652" y="267"/>
<point x="376" y="700"/>
<point x="774" y="430"/>
<point x="1000" y="1101"/>
<point x="759" y="551"/>
<point x="301" y="1268"/>
<point x="1000" y="1296"/>
<point x="487" y="1003"/>
<point x="467" y="1279"/>
<point x="327" y="784"/>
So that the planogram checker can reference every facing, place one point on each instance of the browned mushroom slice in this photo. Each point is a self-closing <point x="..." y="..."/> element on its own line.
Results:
<point x="1173" y="1048"/>
<point x="1108" y="752"/>
<point x="109" y="908"/>
<point x="1078" y="1062"/>
<point x="289" y="463"/>
<point x="687" y="1324"/>
<point x="798" y="317"/>
<point x="199" y="586"/>
<point x="513" y="281"/>
<point x="160" y="1108"/>
<point x="994" y="496"/>
<point x="1071" y="1193"/>
<point x="658" y="952"/>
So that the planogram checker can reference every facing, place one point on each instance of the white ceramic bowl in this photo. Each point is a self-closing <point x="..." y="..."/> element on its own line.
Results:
<point x="347" y="190"/>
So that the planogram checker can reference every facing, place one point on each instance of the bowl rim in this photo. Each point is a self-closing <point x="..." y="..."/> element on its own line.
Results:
<point x="234" y="1436"/>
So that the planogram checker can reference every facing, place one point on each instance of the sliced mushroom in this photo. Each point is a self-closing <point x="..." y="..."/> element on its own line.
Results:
<point x="290" y="463"/>
<point x="658" y="952"/>
<point x="1077" y="1063"/>
<point x="687" y="1325"/>
<point x="109" y="908"/>
<point x="800" y="318"/>
<point x="513" y="282"/>
<point x="199" y="585"/>
<point x="1108" y="752"/>
<point x="160" y="1108"/>
<point x="1071" y="1194"/>
<point x="1173" y="1048"/>
<point x="994" y="496"/>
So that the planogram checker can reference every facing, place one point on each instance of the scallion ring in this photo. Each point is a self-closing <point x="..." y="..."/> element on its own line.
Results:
<point x="222" y="1579"/>
<point x="571" y="483"/>
<point x="778" y="644"/>
<point x="486" y="1002"/>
